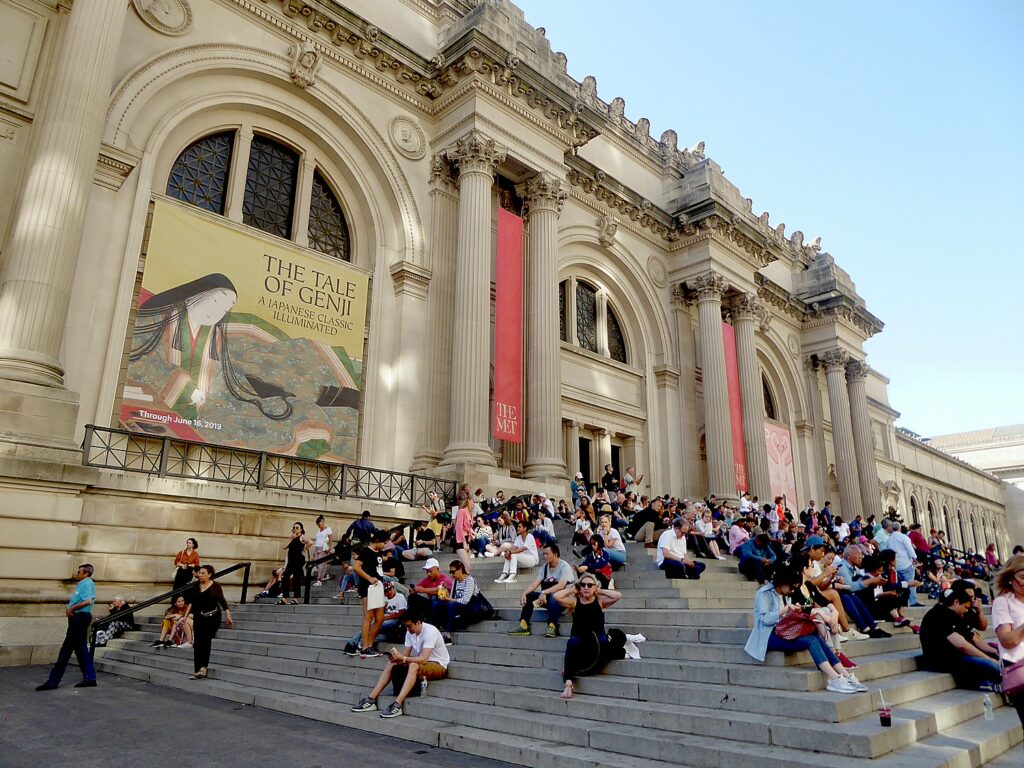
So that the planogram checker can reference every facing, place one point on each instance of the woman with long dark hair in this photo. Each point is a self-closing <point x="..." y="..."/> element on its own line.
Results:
<point x="205" y="608"/>
<point x="185" y="563"/>
<point x="296" y="546"/>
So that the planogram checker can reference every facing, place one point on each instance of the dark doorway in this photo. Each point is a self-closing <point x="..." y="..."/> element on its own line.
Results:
<point x="617" y="462"/>
<point x="585" y="462"/>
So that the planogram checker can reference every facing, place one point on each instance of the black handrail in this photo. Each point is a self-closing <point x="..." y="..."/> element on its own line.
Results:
<point x="160" y="598"/>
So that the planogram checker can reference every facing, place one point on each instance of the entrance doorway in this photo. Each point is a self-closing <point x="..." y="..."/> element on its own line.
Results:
<point x="585" y="462"/>
<point x="616" y="461"/>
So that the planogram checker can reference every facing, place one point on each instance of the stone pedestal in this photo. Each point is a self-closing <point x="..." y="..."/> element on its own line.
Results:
<point x="38" y="422"/>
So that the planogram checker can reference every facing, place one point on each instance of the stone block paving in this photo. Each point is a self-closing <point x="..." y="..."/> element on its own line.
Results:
<point x="125" y="722"/>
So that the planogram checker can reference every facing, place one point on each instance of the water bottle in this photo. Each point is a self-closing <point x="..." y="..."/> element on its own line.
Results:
<point x="423" y="690"/>
<point x="986" y="704"/>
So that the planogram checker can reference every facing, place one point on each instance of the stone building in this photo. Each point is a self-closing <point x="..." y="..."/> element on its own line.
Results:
<point x="667" y="325"/>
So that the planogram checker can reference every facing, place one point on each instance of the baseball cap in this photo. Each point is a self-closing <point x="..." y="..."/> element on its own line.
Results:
<point x="814" y="541"/>
<point x="579" y="475"/>
<point x="431" y="563"/>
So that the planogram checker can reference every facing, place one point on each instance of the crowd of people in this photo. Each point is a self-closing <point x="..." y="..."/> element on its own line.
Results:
<point x="822" y="581"/>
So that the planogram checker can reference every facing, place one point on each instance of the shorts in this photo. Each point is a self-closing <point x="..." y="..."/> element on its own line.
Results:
<point x="431" y="670"/>
<point x="459" y="546"/>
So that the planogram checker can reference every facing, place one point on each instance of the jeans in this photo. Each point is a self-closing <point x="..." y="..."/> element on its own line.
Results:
<point x="388" y="631"/>
<point x="754" y="569"/>
<point x="450" y="615"/>
<point x="813" y="644"/>
<point x="676" y="570"/>
<point x="76" y="641"/>
<point x="857" y="611"/>
<point x="479" y="545"/>
<point x="908" y="574"/>
<point x="617" y="556"/>
<point x="553" y="606"/>
<point x="971" y="671"/>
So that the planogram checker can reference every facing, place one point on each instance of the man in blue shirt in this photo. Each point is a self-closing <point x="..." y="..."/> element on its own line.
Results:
<point x="757" y="558"/>
<point x="79" y="613"/>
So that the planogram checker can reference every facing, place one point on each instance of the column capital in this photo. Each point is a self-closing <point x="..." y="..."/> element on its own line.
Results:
<point x="748" y="307"/>
<point x="476" y="152"/>
<point x="834" y="359"/>
<point x="441" y="176"/>
<point x="708" y="286"/>
<point x="857" y="370"/>
<point x="544" y="192"/>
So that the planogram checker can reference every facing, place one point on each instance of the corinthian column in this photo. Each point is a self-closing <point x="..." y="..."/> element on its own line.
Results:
<point x="444" y="197"/>
<point x="842" y="432"/>
<point x="41" y="250"/>
<point x="864" y="444"/>
<point x="709" y="288"/>
<point x="545" y="195"/>
<point x="746" y="312"/>
<point x="476" y="156"/>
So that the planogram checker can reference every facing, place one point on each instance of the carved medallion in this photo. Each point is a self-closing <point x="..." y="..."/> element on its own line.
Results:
<point x="408" y="138"/>
<point x="168" y="17"/>
<point x="656" y="269"/>
<point x="794" y="345"/>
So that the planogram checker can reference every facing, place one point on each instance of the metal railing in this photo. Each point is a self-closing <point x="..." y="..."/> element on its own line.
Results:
<point x="110" y="618"/>
<point x="173" y="457"/>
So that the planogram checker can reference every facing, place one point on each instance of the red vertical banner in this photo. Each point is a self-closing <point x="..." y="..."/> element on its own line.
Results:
<point x="508" y="330"/>
<point x="732" y="376"/>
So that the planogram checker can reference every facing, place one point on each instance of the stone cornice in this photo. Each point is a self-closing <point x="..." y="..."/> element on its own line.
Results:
<point x="596" y="184"/>
<point x="843" y="309"/>
<point x="778" y="297"/>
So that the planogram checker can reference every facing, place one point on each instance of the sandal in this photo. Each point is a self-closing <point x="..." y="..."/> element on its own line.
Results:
<point x="282" y="601"/>
<point x="293" y="602"/>
<point x="199" y="676"/>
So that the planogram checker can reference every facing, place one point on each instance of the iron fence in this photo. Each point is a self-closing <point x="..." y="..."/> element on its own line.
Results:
<point x="172" y="457"/>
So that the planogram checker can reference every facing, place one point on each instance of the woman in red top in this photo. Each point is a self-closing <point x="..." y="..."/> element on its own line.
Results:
<point x="185" y="564"/>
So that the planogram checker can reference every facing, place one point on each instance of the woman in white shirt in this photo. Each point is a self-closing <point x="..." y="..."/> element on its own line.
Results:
<point x="522" y="554"/>
<point x="706" y="528"/>
<point x="583" y="529"/>
<point x="613" y="545"/>
<point x="1008" y="620"/>
<point x="321" y="547"/>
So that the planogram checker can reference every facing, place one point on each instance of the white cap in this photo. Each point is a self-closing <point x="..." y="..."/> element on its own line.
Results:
<point x="431" y="563"/>
<point x="579" y="475"/>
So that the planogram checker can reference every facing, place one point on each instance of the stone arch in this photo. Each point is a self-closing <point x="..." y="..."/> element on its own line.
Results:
<point x="915" y="514"/>
<point x="930" y="514"/>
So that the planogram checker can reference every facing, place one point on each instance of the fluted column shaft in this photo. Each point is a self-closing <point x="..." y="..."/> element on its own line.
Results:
<point x="842" y="433"/>
<point x="863" y="442"/>
<point x="476" y="156"/>
<point x="440" y="315"/>
<point x="41" y="250"/>
<point x="545" y="195"/>
<point x="572" y="448"/>
<point x="709" y="288"/>
<point x="746" y="313"/>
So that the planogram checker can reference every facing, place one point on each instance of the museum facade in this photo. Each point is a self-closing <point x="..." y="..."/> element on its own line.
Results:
<point x="394" y="235"/>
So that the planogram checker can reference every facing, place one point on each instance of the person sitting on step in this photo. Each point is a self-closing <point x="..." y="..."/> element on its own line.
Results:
<point x="769" y="611"/>
<point x="424" y="541"/>
<point x="521" y="554"/>
<point x="946" y="649"/>
<point x="176" y="626"/>
<point x="590" y="645"/>
<point x="554" y="576"/>
<point x="757" y="558"/>
<point x="454" y="610"/>
<point x="596" y="561"/>
<point x="421" y="597"/>
<point x="613" y="544"/>
<point x="423" y="658"/>
<point x="672" y="558"/>
<point x="118" y="627"/>
<point x="504" y="535"/>
<point x="482" y="534"/>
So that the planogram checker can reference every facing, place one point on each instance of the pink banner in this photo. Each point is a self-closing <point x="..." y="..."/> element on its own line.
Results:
<point x="780" y="463"/>
<point x="508" y="330"/>
<point x="739" y="455"/>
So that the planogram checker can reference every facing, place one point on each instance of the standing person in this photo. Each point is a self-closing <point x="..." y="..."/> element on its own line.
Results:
<point x="297" y="545"/>
<point x="1008" y="619"/>
<point x="361" y="530"/>
<point x="589" y="646"/>
<point x="609" y="482"/>
<point x="906" y="554"/>
<point x="322" y="546"/>
<point x="632" y="480"/>
<point x="464" y="531"/>
<point x="76" y="640"/>
<point x="368" y="564"/>
<point x="205" y="608"/>
<point x="185" y="563"/>
<point x="577" y="488"/>
<point x="522" y="553"/>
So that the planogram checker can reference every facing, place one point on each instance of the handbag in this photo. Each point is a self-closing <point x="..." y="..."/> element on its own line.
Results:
<point x="1013" y="678"/>
<point x="481" y="607"/>
<point x="795" y="624"/>
<point x="375" y="596"/>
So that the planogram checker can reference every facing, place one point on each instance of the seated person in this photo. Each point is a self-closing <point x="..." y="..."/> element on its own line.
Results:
<point x="392" y="628"/>
<point x="424" y="657"/>
<point x="424" y="542"/>
<point x="421" y="596"/>
<point x="275" y="584"/>
<point x="596" y="561"/>
<point x="757" y="558"/>
<point x="482" y="535"/>
<point x="613" y="544"/>
<point x="881" y="601"/>
<point x="455" y="610"/>
<point x="672" y="558"/>
<point x="119" y="626"/>
<point x="945" y="648"/>
<point x="522" y="553"/>
<point x="553" y="578"/>
<point x="176" y="627"/>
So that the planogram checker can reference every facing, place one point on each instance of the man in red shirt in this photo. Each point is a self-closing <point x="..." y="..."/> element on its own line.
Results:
<point x="422" y="595"/>
<point x="920" y="542"/>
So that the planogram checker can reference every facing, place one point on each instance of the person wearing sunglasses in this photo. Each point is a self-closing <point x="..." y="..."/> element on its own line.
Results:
<point x="590" y="645"/>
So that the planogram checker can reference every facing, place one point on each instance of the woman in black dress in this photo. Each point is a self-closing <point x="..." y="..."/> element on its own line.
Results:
<point x="590" y="646"/>
<point x="296" y="546"/>
<point x="207" y="602"/>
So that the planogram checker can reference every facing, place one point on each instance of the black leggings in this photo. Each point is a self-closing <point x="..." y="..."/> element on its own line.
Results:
<point x="182" y="576"/>
<point x="588" y="654"/>
<point x="204" y="629"/>
<point x="293" y="577"/>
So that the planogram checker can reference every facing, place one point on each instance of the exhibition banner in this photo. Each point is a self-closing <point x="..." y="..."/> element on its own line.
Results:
<point x="508" y="330"/>
<point x="781" y="471"/>
<point x="243" y="340"/>
<point x="739" y="454"/>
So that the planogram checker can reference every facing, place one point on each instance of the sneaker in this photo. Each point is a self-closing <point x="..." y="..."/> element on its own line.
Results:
<point x="552" y="631"/>
<point x="842" y="638"/>
<point x="446" y="636"/>
<point x="351" y="649"/>
<point x="317" y="583"/>
<point x="366" y="704"/>
<point x="86" y="684"/>
<point x="488" y="554"/>
<point x="839" y="685"/>
<point x="521" y="631"/>
<point x="157" y="644"/>
<point x="878" y="633"/>
<point x="845" y="660"/>
<point x="394" y="710"/>
<point x="369" y="653"/>
<point x="853" y="682"/>
<point x="501" y="578"/>
<point x="185" y="645"/>
<point x="988" y="686"/>
<point x="856" y="634"/>
<point x="915" y="628"/>
<point x="901" y="623"/>
<point x="46" y="687"/>
<point x="511" y="580"/>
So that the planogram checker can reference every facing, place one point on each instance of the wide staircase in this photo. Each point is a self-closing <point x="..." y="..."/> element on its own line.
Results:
<point x="694" y="699"/>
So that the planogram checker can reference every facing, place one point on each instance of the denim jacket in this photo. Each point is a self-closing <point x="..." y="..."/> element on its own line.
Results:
<point x="767" y="605"/>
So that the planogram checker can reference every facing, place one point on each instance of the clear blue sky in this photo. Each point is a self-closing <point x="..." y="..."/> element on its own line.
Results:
<point x="895" y="130"/>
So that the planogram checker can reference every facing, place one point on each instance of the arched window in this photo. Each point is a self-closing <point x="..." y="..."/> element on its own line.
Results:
<point x="201" y="176"/>
<point x="770" y="411"/>
<point x="914" y="514"/>
<point x="562" y="323"/>
<point x="586" y="316"/>
<point x="932" y="522"/>
<point x="616" y="341"/>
